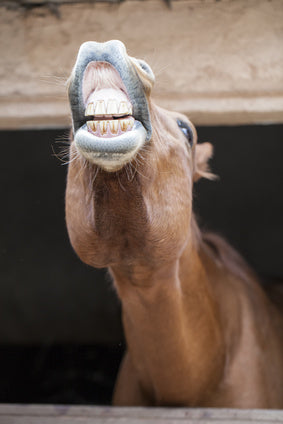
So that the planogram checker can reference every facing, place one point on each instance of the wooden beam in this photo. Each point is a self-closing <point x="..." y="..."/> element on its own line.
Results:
<point x="31" y="414"/>
<point x="218" y="62"/>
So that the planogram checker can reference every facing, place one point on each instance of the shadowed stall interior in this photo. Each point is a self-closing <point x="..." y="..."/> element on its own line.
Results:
<point x="60" y="334"/>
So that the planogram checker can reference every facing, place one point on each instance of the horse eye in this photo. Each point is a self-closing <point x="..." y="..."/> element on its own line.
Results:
<point x="186" y="130"/>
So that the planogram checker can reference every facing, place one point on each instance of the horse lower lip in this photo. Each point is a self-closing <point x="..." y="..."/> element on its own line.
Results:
<point x="111" y="153"/>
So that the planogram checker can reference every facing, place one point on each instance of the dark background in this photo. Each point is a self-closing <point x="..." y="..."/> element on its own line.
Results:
<point x="60" y="334"/>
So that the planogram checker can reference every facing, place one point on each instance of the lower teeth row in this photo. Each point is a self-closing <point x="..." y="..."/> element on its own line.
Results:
<point x="115" y="126"/>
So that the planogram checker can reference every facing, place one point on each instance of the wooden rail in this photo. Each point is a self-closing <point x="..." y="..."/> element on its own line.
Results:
<point x="32" y="414"/>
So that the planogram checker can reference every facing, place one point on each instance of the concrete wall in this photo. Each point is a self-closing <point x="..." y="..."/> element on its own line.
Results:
<point x="221" y="62"/>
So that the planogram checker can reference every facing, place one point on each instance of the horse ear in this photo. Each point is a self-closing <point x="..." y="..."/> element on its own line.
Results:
<point x="203" y="153"/>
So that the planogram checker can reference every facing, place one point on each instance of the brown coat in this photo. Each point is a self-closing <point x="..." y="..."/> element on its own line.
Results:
<point x="200" y="331"/>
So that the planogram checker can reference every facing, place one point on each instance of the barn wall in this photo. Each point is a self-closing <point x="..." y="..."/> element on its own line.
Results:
<point x="221" y="62"/>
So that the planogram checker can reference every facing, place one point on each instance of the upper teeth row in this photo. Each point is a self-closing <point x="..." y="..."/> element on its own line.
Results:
<point x="113" y="108"/>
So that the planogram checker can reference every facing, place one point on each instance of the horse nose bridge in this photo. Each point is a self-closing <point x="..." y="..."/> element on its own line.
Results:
<point x="111" y="44"/>
<point x="114" y="46"/>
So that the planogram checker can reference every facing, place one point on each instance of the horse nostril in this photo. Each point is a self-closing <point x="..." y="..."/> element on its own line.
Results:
<point x="146" y="68"/>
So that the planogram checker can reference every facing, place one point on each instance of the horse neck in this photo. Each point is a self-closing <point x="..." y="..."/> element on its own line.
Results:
<point x="172" y="327"/>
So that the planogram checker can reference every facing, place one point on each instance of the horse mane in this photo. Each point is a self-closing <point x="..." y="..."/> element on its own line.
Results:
<point x="226" y="256"/>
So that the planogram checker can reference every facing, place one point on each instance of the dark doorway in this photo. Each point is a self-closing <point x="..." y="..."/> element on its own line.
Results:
<point x="60" y="334"/>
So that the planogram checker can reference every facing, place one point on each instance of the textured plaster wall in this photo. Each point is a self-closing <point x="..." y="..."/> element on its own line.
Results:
<point x="218" y="61"/>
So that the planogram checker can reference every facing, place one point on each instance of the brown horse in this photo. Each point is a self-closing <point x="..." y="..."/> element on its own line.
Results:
<point x="200" y="331"/>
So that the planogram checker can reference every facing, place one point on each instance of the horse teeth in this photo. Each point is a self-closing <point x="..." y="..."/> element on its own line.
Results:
<point x="101" y="126"/>
<point x="112" y="107"/>
<point x="100" y="108"/>
<point x="114" y="126"/>
<point x="89" y="109"/>
<point x="92" y="125"/>
<point x="125" y="124"/>
<point x="123" y="108"/>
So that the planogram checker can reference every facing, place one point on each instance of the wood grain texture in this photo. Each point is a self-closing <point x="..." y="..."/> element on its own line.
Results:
<point x="50" y="414"/>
